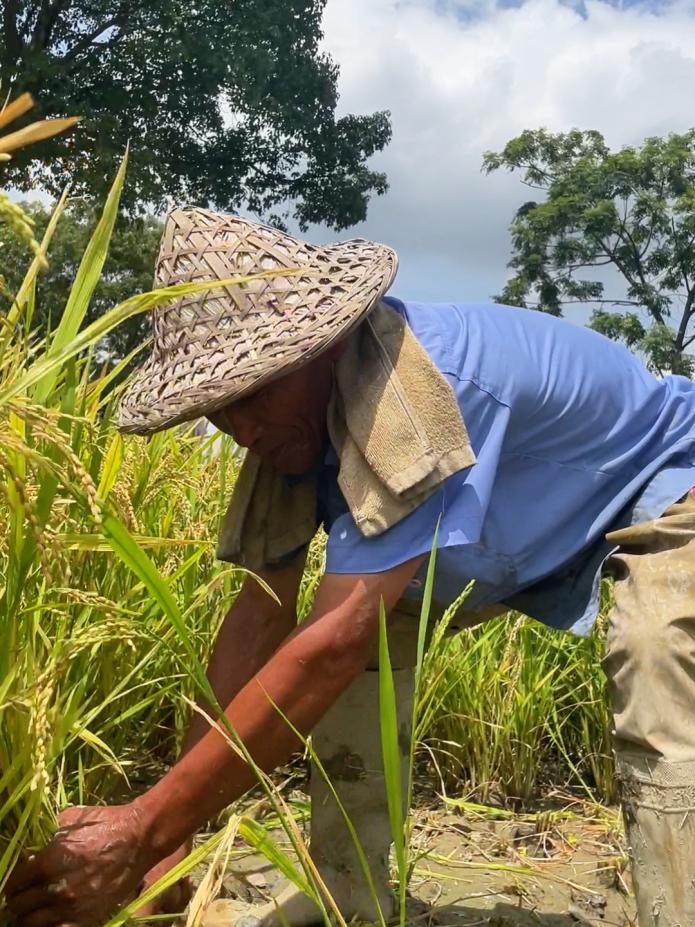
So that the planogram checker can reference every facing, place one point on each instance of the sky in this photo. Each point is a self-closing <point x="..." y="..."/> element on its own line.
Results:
<point x="461" y="78"/>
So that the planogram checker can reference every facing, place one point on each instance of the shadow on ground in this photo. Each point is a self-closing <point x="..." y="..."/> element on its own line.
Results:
<point x="507" y="915"/>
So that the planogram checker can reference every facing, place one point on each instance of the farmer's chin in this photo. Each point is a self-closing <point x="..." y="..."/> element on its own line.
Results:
<point x="296" y="460"/>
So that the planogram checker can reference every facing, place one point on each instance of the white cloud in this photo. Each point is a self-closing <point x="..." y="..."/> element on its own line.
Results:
<point x="463" y="78"/>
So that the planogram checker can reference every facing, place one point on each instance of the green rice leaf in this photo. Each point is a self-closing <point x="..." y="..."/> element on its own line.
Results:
<point x="137" y="560"/>
<point x="388" y="716"/>
<point x="49" y="363"/>
<point x="111" y="466"/>
<point x="174" y="875"/>
<point x="86" y="280"/>
<point x="29" y="282"/>
<point x="258" y="837"/>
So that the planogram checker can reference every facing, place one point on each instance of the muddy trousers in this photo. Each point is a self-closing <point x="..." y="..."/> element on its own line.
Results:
<point x="650" y="664"/>
<point x="347" y="742"/>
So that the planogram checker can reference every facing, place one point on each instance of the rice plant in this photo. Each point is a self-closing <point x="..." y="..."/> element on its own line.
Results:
<point x="110" y="594"/>
<point x="87" y="657"/>
<point x="512" y="709"/>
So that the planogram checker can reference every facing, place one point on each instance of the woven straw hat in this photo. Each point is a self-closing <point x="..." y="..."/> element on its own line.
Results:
<point x="213" y="347"/>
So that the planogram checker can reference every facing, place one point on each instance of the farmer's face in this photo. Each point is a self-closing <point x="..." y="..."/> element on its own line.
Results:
<point x="284" y="422"/>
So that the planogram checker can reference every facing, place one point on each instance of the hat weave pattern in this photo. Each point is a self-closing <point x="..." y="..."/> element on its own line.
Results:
<point x="214" y="347"/>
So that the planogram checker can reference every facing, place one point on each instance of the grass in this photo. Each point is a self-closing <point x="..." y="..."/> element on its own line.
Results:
<point x="110" y="598"/>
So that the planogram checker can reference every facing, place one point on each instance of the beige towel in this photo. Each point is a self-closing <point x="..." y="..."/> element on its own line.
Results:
<point x="395" y="425"/>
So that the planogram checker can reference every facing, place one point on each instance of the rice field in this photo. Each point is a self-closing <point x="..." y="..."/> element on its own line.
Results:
<point x="110" y="597"/>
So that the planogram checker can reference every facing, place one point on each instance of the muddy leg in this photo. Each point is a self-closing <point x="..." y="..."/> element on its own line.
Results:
<point x="659" y="812"/>
<point x="650" y="663"/>
<point x="356" y="772"/>
<point x="348" y="744"/>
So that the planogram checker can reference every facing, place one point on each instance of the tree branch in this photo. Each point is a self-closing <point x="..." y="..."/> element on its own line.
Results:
<point x="572" y="267"/>
<point x="638" y="259"/>
<point x="681" y="266"/>
<point x="688" y="310"/>
<point x="533" y="166"/>
<point x="532" y="186"/>
<point x="655" y="311"/>
<point x="88" y="40"/>
<point x="643" y="252"/>
<point x="651" y="230"/>
<point x="45" y="22"/>
<point x="11" y="35"/>
<point x="584" y="302"/>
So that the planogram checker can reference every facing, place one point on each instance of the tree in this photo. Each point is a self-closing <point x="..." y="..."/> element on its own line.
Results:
<point x="632" y="211"/>
<point x="129" y="269"/>
<point x="227" y="104"/>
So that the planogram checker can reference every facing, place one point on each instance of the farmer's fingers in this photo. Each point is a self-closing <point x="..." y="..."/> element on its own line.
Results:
<point x="171" y="901"/>
<point x="46" y="917"/>
<point x="39" y="866"/>
<point x="58" y="897"/>
<point x="47" y="870"/>
<point x="25" y="875"/>
<point x="148" y="910"/>
<point x="33" y="899"/>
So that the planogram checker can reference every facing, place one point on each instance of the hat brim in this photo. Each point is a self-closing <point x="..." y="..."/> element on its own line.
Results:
<point x="194" y="382"/>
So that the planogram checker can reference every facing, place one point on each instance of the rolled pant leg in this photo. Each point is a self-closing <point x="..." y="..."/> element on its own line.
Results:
<point x="347" y="742"/>
<point x="650" y="663"/>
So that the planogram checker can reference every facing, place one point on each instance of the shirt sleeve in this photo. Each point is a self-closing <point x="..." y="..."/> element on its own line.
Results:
<point x="459" y="505"/>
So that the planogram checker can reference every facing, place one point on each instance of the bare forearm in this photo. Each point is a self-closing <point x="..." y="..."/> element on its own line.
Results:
<point x="299" y="683"/>
<point x="244" y="644"/>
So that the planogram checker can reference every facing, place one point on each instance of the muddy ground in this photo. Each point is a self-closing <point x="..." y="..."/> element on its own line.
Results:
<point x="562" y="868"/>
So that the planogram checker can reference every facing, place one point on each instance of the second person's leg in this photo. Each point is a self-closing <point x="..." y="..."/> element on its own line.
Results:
<point x="650" y="664"/>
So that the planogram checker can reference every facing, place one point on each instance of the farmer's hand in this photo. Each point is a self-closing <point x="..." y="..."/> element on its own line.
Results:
<point x="93" y="866"/>
<point x="173" y="900"/>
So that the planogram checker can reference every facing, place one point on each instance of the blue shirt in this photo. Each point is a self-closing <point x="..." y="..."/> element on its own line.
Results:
<point x="573" y="437"/>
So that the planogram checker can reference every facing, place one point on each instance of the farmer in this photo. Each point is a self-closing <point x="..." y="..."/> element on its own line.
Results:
<point x="547" y="455"/>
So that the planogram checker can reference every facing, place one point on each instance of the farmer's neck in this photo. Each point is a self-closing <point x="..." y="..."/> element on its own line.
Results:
<point x="284" y="421"/>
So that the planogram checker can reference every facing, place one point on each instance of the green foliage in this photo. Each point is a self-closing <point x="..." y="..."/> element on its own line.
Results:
<point x="103" y="625"/>
<point x="86" y="652"/>
<point x="510" y="707"/>
<point x="128" y="269"/>
<point x="631" y="210"/>
<point x="233" y="105"/>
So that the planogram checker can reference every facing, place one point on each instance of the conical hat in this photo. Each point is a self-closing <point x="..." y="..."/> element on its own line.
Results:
<point x="214" y="347"/>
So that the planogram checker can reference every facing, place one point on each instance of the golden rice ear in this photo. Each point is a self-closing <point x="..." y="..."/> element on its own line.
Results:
<point x="35" y="132"/>
<point x="15" y="109"/>
<point x="213" y="347"/>
<point x="12" y="213"/>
